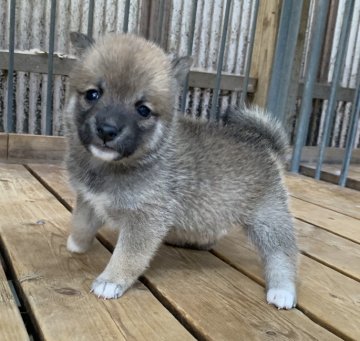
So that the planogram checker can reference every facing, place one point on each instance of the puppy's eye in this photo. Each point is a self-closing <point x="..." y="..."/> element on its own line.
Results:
<point x="92" y="95"/>
<point x="144" y="111"/>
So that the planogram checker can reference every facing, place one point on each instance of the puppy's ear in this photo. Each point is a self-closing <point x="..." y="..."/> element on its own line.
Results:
<point x="81" y="41"/>
<point x="181" y="67"/>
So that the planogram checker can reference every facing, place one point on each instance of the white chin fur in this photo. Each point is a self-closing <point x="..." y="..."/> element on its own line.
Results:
<point x="102" y="154"/>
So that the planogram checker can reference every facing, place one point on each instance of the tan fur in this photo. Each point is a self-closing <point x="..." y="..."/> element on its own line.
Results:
<point x="165" y="178"/>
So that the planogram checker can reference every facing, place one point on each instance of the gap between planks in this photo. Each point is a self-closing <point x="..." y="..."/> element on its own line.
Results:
<point x="12" y="324"/>
<point x="55" y="174"/>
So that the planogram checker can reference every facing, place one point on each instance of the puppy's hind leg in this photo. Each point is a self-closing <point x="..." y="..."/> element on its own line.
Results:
<point x="85" y="224"/>
<point x="271" y="230"/>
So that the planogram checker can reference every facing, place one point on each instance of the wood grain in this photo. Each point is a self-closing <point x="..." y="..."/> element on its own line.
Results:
<point x="337" y="223"/>
<point x="55" y="283"/>
<point x="319" y="286"/>
<point x="310" y="154"/>
<point x="338" y="199"/>
<point x="214" y="299"/>
<point x="29" y="147"/>
<point x="334" y="251"/>
<point x="11" y="324"/>
<point x="331" y="173"/>
<point x="3" y="145"/>
<point x="264" y="47"/>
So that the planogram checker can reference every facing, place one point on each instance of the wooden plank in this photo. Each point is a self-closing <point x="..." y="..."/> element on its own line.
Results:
<point x="56" y="178"/>
<point x="355" y="169"/>
<point x="310" y="154"/>
<point x="196" y="284"/>
<point x="329" y="220"/>
<point x="201" y="79"/>
<point x="322" y="91"/>
<point x="30" y="61"/>
<point x="338" y="199"/>
<point x="55" y="283"/>
<point x="336" y="252"/>
<point x="199" y="285"/>
<point x="319" y="286"/>
<point x="264" y="47"/>
<point x="30" y="147"/>
<point x="4" y="138"/>
<point x="332" y="155"/>
<point x="331" y="173"/>
<point x="11" y="324"/>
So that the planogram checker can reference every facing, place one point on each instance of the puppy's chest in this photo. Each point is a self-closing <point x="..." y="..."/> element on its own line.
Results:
<point x="120" y="198"/>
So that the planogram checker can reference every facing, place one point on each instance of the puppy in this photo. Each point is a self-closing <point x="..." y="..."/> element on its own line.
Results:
<point x="161" y="177"/>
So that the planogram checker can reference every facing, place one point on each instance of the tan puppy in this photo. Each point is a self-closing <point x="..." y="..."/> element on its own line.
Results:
<point x="138" y="166"/>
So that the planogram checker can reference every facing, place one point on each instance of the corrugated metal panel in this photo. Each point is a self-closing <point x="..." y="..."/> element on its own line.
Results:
<point x="32" y="32"/>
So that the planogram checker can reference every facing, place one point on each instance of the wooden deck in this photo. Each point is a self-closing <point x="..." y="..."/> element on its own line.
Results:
<point x="331" y="173"/>
<point x="217" y="295"/>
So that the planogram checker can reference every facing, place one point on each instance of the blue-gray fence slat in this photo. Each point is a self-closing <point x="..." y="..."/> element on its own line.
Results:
<point x="350" y="141"/>
<point x="284" y="56"/>
<point x="49" y="97"/>
<point x="214" y="103"/>
<point x="321" y="12"/>
<point x="10" y="97"/>
<point x="90" y="25"/>
<point x="249" y="55"/>
<point x="189" y="53"/>
<point x="330" y="110"/>
<point x="126" y="16"/>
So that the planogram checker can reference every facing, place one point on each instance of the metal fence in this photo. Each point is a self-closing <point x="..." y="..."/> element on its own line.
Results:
<point x="221" y="35"/>
<point x="279" y="100"/>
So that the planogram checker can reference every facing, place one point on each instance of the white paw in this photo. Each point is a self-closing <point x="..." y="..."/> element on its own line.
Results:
<point x="106" y="290"/>
<point x="72" y="246"/>
<point x="281" y="298"/>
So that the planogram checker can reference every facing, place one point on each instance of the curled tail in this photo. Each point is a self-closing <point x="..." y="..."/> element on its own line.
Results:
<point x="258" y="127"/>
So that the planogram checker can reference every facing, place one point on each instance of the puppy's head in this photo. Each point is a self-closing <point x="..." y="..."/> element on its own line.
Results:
<point x="122" y="95"/>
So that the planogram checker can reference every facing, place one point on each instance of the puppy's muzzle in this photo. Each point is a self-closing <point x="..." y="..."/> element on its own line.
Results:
<point x="107" y="132"/>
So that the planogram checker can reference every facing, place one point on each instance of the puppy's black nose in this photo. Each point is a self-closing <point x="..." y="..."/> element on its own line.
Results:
<point x="107" y="132"/>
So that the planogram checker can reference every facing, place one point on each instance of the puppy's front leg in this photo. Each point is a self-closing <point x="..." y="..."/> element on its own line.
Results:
<point x="85" y="224"/>
<point x="136" y="245"/>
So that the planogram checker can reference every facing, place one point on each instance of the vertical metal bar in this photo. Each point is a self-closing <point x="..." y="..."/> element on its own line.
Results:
<point x="284" y="57"/>
<point x="90" y="19"/>
<point x="214" y="103"/>
<point x="126" y="16"/>
<point x="350" y="140"/>
<point x="189" y="52"/>
<point x="48" y="125"/>
<point x="161" y="20"/>
<point x="339" y="61"/>
<point x="10" y="122"/>
<point x="321" y="10"/>
<point x="249" y="54"/>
